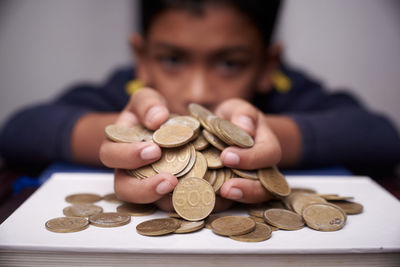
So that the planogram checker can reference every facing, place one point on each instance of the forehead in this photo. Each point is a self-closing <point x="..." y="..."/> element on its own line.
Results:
<point x="215" y="27"/>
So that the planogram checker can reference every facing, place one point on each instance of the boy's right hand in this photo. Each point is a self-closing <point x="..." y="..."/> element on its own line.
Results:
<point x="146" y="107"/>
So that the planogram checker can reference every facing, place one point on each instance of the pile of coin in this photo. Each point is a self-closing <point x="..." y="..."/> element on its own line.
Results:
<point x="191" y="148"/>
<point x="303" y="207"/>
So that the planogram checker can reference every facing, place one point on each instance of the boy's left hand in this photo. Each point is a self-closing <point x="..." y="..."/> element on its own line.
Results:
<point x="266" y="151"/>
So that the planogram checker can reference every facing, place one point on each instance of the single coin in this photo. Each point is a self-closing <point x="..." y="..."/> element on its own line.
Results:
<point x="83" y="198"/>
<point x="172" y="135"/>
<point x="173" y="160"/>
<point x="67" y="224"/>
<point x="262" y="232"/>
<point x="82" y="210"/>
<point x="283" y="219"/>
<point x="233" y="225"/>
<point x="248" y="174"/>
<point x="145" y="171"/>
<point x="334" y="197"/>
<point x="324" y="217"/>
<point x="349" y="207"/>
<point x="298" y="201"/>
<point x="189" y="227"/>
<point x="191" y="162"/>
<point x="273" y="180"/>
<point x="211" y="218"/>
<point x="212" y="156"/>
<point x="235" y="134"/>
<point x="157" y="227"/>
<point x="134" y="209"/>
<point x="112" y="198"/>
<point x="211" y="176"/>
<point x="200" y="143"/>
<point x="123" y="134"/>
<point x="213" y="140"/>
<point x="199" y="168"/>
<point x="188" y="121"/>
<point x="193" y="198"/>
<point x="219" y="180"/>
<point x="109" y="219"/>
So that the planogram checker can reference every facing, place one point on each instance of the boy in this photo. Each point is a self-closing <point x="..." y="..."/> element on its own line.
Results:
<point x="217" y="54"/>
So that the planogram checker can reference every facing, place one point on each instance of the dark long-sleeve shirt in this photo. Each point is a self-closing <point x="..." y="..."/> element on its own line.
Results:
<point x="335" y="128"/>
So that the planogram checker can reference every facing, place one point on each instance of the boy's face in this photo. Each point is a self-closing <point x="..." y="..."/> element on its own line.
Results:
<point x="203" y="58"/>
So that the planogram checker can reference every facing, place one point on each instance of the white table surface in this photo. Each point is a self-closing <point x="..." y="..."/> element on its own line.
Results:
<point x="376" y="230"/>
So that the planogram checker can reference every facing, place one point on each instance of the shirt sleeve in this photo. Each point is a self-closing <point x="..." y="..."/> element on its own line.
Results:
<point x="336" y="128"/>
<point x="40" y="134"/>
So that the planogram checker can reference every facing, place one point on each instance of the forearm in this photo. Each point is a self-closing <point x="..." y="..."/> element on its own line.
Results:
<point x="289" y="136"/>
<point x="87" y="136"/>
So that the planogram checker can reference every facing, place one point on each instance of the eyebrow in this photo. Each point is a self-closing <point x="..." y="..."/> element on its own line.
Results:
<point x="221" y="51"/>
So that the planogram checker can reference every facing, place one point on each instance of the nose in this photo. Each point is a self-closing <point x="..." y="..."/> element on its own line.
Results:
<point x="200" y="91"/>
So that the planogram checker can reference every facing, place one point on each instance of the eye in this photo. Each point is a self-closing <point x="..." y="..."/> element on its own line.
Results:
<point x="171" y="61"/>
<point x="230" y="66"/>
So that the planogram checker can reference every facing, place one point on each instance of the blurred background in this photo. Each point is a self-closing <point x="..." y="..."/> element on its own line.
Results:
<point x="48" y="45"/>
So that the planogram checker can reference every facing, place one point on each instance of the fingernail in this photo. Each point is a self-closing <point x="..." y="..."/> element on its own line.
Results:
<point x="235" y="193"/>
<point x="153" y="113"/>
<point x="164" y="187"/>
<point x="231" y="158"/>
<point x="246" y="123"/>
<point x="150" y="153"/>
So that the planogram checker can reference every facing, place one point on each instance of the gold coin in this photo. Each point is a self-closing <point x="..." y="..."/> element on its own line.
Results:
<point x="299" y="201"/>
<point x="200" y="143"/>
<point x="334" y="197"/>
<point x="156" y="227"/>
<point x="133" y="209"/>
<point x="233" y="225"/>
<point x="212" y="156"/>
<point x="193" y="198"/>
<point x="324" y="217"/>
<point x="210" y="219"/>
<point x="189" y="227"/>
<point x="123" y="134"/>
<point x="191" y="163"/>
<point x="274" y="181"/>
<point x="283" y="219"/>
<point x="145" y="172"/>
<point x="349" y="207"/>
<point x="67" y="224"/>
<point x="82" y="210"/>
<point x="199" y="168"/>
<point x="234" y="134"/>
<point x="211" y="176"/>
<point x="112" y="198"/>
<point x="188" y="121"/>
<point x="172" y="135"/>
<point x="173" y="160"/>
<point x="219" y="181"/>
<point x="83" y="198"/>
<point x="248" y="174"/>
<point x="109" y="219"/>
<point x="213" y="140"/>
<point x="262" y="232"/>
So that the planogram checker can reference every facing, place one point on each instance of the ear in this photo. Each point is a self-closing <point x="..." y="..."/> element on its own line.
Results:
<point x="270" y="65"/>
<point x="138" y="48"/>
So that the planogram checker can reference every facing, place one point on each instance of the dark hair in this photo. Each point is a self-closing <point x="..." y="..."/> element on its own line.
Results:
<point x="262" y="13"/>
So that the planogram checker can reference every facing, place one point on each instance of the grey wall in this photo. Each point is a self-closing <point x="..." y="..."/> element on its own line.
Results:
<point x="46" y="45"/>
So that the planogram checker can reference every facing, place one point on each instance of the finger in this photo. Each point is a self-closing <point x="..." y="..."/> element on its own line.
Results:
<point x="239" y="112"/>
<point x="128" y="155"/>
<point x="245" y="190"/>
<point x="165" y="203"/>
<point x="147" y="190"/>
<point x="150" y="108"/>
<point x="266" y="150"/>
